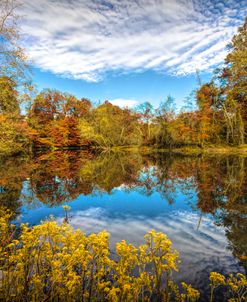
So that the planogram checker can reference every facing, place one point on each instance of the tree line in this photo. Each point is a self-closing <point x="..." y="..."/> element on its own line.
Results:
<point x="54" y="119"/>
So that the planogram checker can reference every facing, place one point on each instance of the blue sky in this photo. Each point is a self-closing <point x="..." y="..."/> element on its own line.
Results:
<point x="124" y="89"/>
<point x="128" y="51"/>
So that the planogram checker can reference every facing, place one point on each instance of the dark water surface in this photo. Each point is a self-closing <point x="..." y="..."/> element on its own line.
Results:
<point x="200" y="202"/>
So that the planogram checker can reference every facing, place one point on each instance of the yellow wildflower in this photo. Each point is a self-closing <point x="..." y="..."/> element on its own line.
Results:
<point x="217" y="279"/>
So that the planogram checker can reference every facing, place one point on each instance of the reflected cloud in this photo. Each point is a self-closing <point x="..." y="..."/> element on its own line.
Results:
<point x="201" y="251"/>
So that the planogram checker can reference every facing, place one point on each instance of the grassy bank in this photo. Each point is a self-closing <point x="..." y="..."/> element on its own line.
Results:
<point x="209" y="149"/>
<point x="185" y="150"/>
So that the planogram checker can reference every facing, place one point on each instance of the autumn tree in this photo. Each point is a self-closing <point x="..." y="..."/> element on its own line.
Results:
<point x="14" y="136"/>
<point x="14" y="81"/>
<point x="110" y="125"/>
<point x="12" y="57"/>
<point x="237" y="62"/>
<point x="8" y="96"/>
<point x="55" y="116"/>
<point x="207" y="97"/>
<point x="235" y="86"/>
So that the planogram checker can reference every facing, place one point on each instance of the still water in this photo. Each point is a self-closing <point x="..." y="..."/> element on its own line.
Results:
<point x="200" y="202"/>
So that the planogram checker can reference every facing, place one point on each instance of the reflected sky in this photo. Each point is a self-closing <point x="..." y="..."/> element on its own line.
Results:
<point x="202" y="248"/>
<point x="129" y="214"/>
<point x="122" y="201"/>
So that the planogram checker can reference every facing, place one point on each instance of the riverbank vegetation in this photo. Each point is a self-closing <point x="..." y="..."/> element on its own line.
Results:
<point x="51" y="262"/>
<point x="215" y="114"/>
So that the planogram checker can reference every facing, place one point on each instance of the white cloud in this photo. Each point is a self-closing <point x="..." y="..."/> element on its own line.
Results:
<point x="124" y="102"/>
<point x="83" y="39"/>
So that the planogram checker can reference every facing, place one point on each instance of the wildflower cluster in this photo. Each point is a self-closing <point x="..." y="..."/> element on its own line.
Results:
<point x="236" y="286"/>
<point x="51" y="262"/>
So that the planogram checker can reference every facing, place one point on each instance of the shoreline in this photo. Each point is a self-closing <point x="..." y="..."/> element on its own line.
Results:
<point x="185" y="150"/>
<point x="208" y="150"/>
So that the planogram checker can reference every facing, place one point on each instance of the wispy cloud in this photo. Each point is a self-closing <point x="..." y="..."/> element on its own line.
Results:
<point x="83" y="39"/>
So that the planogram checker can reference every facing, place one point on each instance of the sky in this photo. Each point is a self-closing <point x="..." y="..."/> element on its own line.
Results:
<point x="127" y="51"/>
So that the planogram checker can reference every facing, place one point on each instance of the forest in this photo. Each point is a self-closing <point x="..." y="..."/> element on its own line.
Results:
<point x="214" y="114"/>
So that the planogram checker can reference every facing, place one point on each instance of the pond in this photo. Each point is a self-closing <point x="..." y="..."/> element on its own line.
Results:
<point x="200" y="202"/>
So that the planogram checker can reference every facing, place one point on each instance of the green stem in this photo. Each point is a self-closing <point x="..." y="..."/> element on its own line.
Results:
<point x="211" y="294"/>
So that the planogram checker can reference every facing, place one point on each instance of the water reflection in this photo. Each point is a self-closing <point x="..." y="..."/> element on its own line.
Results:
<point x="201" y="251"/>
<point x="199" y="201"/>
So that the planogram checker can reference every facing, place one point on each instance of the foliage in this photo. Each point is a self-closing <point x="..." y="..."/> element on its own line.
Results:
<point x="54" y="116"/>
<point x="14" y="135"/>
<point x="108" y="126"/>
<point x="235" y="71"/>
<point x="13" y="75"/>
<point x="8" y="96"/>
